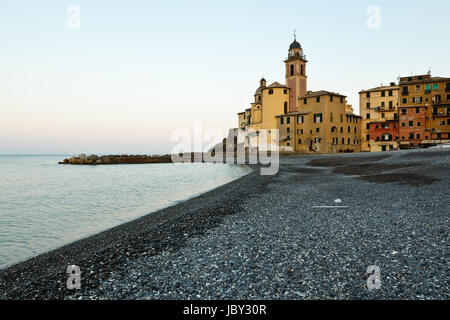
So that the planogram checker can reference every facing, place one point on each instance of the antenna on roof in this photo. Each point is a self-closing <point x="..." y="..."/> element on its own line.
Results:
<point x="429" y="71"/>
<point x="295" y="34"/>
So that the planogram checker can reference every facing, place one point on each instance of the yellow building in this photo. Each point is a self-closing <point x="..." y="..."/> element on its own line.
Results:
<point x="312" y="122"/>
<point x="320" y="125"/>
<point x="379" y="109"/>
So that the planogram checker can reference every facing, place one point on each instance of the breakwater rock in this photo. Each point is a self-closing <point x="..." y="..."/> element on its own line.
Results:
<point x="116" y="159"/>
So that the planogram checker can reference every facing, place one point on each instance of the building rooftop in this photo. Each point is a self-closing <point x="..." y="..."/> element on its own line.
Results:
<point x="381" y="88"/>
<point x="312" y="94"/>
<point x="404" y="80"/>
<point x="295" y="113"/>
<point x="276" y="85"/>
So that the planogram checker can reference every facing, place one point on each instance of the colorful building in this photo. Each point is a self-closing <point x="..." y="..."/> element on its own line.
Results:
<point x="424" y="110"/>
<point x="379" y="111"/>
<point x="416" y="112"/>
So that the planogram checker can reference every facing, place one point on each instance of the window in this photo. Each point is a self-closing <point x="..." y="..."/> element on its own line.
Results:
<point x="390" y="93"/>
<point x="418" y="136"/>
<point x="383" y="115"/>
<point x="442" y="123"/>
<point x="342" y="129"/>
<point x="348" y="129"/>
<point x="281" y="121"/>
<point x="403" y="111"/>
<point x="305" y="101"/>
<point x="427" y="88"/>
<point x="418" y="87"/>
<point x="288" y="144"/>
<point x="447" y="87"/>
<point x="419" y="124"/>
<point x="411" y="123"/>
<point x="367" y="137"/>
<point x="342" y="99"/>
<point x="383" y="93"/>
<point x="405" y="90"/>
<point x="331" y="116"/>
<point x="368" y="116"/>
<point x="288" y="130"/>
<point x="288" y="120"/>
<point x="367" y="126"/>
<point x="403" y="124"/>
<point x="411" y="135"/>
<point x="382" y="104"/>
<point x="285" y="91"/>
<point x="343" y="141"/>
<point x="285" y="107"/>
<point x="435" y="86"/>
<point x="317" y="130"/>
<point x="435" y="111"/>
<point x="348" y="140"/>
<point x="270" y="91"/>
<point x="299" y="141"/>
<point x="404" y="101"/>
<point x="299" y="119"/>
<point x="317" y="99"/>
<point x="331" y="98"/>
<point x="368" y="105"/>
<point x="391" y="104"/>
<point x="342" y="117"/>
<point x="417" y="110"/>
<point x="417" y="100"/>
<point x="355" y="129"/>
<point x="367" y="95"/>
<point x="437" y="99"/>
<point x="301" y="69"/>
<point x="292" y="69"/>
<point x="317" y="118"/>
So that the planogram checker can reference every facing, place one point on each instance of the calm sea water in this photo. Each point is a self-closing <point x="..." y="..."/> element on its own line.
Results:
<point x="44" y="205"/>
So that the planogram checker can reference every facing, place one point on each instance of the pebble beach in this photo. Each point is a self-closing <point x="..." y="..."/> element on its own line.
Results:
<point x="308" y="232"/>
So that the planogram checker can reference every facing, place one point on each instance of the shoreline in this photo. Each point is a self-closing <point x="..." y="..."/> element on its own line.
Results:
<point x="52" y="265"/>
<point x="271" y="237"/>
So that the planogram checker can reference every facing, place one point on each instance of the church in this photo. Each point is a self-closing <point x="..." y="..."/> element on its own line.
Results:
<point x="308" y="121"/>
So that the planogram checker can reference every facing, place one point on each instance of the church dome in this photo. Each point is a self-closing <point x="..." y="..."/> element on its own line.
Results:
<point x="295" y="45"/>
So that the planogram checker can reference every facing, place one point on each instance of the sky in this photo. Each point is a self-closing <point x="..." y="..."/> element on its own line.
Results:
<point x="135" y="71"/>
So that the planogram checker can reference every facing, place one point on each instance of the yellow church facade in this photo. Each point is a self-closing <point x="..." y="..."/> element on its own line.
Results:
<point x="307" y="121"/>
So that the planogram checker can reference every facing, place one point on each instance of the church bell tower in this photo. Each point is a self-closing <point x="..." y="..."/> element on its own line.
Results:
<point x="295" y="74"/>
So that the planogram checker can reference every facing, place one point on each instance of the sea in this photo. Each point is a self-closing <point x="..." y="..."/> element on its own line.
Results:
<point x="44" y="205"/>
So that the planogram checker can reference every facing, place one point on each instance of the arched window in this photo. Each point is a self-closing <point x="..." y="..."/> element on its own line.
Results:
<point x="292" y="69"/>
<point x="285" y="107"/>
<point x="301" y="69"/>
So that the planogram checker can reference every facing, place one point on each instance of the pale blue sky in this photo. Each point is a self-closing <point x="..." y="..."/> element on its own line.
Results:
<point x="137" y="70"/>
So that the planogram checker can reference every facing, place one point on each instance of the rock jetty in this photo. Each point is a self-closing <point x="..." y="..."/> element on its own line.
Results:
<point x="116" y="159"/>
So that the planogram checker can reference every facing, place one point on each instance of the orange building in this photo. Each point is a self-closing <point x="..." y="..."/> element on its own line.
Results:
<point x="424" y="110"/>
